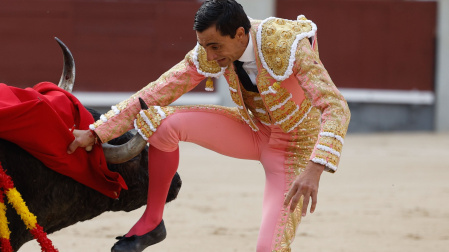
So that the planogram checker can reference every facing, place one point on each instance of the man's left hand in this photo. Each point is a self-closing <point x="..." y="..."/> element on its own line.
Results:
<point x="306" y="184"/>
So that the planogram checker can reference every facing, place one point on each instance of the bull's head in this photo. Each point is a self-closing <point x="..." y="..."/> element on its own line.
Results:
<point x="114" y="153"/>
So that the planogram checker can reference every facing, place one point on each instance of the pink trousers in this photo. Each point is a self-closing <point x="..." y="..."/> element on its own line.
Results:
<point x="283" y="156"/>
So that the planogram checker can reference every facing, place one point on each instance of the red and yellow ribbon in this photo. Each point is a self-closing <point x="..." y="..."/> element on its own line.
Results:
<point x="30" y="220"/>
<point x="5" y="245"/>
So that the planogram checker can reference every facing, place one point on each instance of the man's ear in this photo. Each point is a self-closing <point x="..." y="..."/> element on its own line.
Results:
<point x="240" y="32"/>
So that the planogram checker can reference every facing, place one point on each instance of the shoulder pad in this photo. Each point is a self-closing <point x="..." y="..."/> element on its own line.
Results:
<point x="203" y="66"/>
<point x="277" y="40"/>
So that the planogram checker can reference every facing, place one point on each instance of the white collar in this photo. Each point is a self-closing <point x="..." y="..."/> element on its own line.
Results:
<point x="248" y="55"/>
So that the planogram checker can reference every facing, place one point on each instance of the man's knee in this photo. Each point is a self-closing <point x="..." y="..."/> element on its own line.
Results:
<point x="167" y="135"/>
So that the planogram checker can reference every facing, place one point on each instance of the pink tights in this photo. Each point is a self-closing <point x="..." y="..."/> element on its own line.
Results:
<point x="161" y="170"/>
<point x="221" y="129"/>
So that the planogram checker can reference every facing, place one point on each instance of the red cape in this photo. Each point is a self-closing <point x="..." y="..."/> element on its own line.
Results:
<point x="39" y="119"/>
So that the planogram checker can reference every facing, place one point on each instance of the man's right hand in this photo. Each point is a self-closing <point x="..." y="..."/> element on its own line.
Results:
<point x="83" y="138"/>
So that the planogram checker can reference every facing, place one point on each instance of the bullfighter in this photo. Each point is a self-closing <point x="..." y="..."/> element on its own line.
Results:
<point x="289" y="115"/>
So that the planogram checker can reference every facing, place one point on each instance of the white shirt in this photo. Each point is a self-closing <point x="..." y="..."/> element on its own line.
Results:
<point x="249" y="61"/>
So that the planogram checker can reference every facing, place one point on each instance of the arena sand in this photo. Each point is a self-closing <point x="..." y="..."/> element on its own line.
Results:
<point x="390" y="194"/>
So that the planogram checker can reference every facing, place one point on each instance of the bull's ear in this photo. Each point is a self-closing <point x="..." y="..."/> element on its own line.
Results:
<point x="143" y="105"/>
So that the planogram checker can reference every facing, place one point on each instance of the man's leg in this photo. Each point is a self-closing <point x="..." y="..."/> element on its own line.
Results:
<point x="274" y="215"/>
<point x="162" y="167"/>
<point x="283" y="158"/>
<point x="217" y="128"/>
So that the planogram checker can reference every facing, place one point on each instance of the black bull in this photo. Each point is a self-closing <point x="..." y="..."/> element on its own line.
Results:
<point x="59" y="201"/>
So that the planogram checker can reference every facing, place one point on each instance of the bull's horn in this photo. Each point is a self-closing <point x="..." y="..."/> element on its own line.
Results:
<point x="116" y="154"/>
<point x="143" y="105"/>
<point x="68" y="73"/>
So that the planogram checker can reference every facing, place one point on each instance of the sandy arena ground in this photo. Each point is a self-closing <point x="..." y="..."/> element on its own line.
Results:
<point x="390" y="194"/>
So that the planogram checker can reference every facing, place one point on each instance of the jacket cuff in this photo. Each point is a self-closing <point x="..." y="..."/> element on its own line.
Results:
<point x="327" y="151"/>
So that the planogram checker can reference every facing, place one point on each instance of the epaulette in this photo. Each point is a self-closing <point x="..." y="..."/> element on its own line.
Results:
<point x="277" y="41"/>
<point x="209" y="69"/>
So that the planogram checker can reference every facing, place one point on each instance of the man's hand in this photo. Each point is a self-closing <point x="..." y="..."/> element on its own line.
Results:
<point x="306" y="184"/>
<point x="83" y="138"/>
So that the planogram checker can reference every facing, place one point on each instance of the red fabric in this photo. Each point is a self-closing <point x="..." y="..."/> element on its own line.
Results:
<point x="38" y="119"/>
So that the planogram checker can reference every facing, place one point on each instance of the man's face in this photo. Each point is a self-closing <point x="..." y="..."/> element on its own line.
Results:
<point x="223" y="49"/>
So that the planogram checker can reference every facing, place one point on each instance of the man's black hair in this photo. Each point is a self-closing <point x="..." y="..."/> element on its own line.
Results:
<point x="226" y="15"/>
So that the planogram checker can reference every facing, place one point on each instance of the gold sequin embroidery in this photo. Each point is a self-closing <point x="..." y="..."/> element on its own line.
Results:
<point x="205" y="65"/>
<point x="278" y="36"/>
<point x="297" y="156"/>
<point x="254" y="103"/>
<point x="147" y="121"/>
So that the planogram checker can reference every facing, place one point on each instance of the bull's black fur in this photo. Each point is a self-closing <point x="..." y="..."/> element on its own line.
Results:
<point x="59" y="201"/>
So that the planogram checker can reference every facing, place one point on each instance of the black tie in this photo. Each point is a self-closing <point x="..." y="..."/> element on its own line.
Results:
<point x="244" y="78"/>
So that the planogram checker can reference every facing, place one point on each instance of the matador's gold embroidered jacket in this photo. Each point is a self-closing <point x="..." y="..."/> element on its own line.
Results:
<point x="291" y="81"/>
